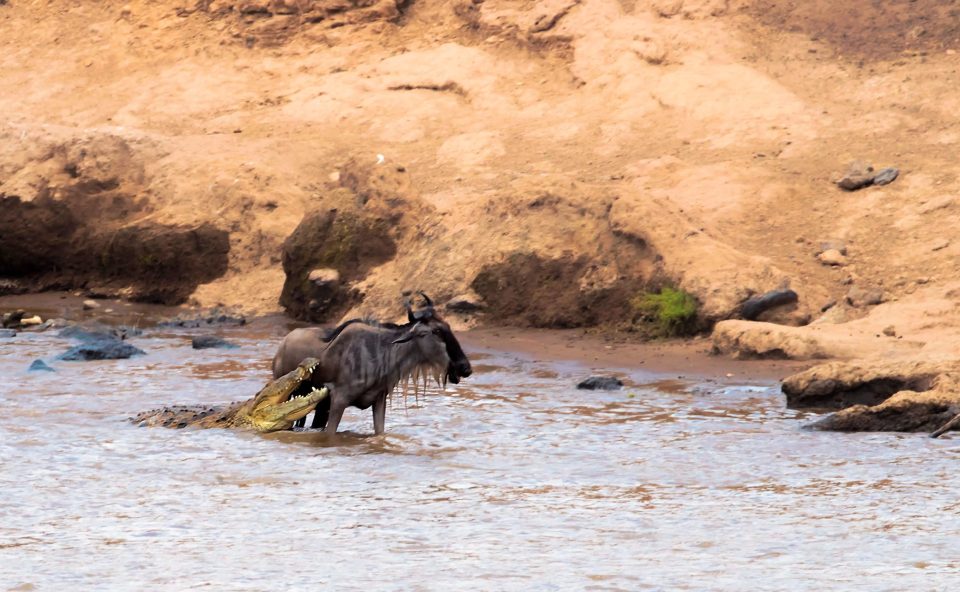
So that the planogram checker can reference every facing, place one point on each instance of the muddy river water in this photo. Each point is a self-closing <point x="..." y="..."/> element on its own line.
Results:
<point x="512" y="480"/>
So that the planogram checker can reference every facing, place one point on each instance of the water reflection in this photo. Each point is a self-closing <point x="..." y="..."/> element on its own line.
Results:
<point x="512" y="480"/>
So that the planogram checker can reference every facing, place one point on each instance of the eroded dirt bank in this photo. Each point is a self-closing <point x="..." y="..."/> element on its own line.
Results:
<point x="537" y="163"/>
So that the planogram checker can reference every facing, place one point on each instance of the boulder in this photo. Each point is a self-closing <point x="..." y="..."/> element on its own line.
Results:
<point x="99" y="342"/>
<point x="104" y="349"/>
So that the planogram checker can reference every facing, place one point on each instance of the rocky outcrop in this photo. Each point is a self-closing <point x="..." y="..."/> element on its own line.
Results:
<point x="753" y="340"/>
<point x="909" y="396"/>
<point x="326" y="253"/>
<point x="837" y="385"/>
<point x="81" y="225"/>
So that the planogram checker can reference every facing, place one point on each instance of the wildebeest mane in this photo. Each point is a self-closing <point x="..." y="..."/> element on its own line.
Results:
<point x="332" y="334"/>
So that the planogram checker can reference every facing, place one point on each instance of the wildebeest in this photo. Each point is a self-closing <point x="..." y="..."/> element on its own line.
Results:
<point x="362" y="361"/>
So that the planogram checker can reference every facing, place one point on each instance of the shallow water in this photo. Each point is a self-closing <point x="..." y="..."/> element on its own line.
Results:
<point x="512" y="480"/>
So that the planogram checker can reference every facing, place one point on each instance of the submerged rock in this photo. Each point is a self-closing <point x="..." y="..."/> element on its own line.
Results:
<point x="213" y="317"/>
<point x="106" y="349"/>
<point x="98" y="331"/>
<point x="40" y="366"/>
<point x="600" y="383"/>
<point x="211" y="341"/>
<point x="100" y="342"/>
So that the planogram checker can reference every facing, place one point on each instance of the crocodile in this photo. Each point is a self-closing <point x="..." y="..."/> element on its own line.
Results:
<point x="270" y="410"/>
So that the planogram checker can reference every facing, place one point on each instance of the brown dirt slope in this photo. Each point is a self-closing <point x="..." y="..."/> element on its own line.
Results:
<point x="551" y="157"/>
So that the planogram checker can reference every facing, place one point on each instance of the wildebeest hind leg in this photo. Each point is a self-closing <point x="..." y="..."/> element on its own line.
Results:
<point x="321" y="414"/>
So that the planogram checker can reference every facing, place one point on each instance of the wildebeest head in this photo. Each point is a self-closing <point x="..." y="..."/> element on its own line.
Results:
<point x="436" y="340"/>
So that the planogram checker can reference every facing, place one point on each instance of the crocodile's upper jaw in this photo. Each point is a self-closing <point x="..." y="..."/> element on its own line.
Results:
<point x="272" y="408"/>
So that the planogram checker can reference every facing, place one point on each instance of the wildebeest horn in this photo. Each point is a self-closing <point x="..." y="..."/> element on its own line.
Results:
<point x="426" y="298"/>
<point x="411" y="317"/>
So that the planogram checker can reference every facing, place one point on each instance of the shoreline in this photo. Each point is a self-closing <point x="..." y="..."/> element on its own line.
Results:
<point x="675" y="358"/>
<point x="681" y="358"/>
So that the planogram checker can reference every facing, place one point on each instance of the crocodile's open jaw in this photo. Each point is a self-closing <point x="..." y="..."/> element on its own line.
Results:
<point x="274" y="410"/>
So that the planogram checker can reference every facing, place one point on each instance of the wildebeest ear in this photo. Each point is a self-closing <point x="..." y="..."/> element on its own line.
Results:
<point x="426" y="299"/>
<point x="411" y="332"/>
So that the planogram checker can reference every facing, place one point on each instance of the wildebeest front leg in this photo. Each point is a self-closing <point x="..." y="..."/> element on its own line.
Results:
<point x="337" y="408"/>
<point x="379" y="414"/>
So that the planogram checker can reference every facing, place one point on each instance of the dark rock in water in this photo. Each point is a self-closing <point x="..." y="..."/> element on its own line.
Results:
<point x="601" y="383"/>
<point x="8" y="333"/>
<point x="101" y="349"/>
<point x="214" y="317"/>
<point x="12" y="319"/>
<point x="96" y="332"/>
<point x="39" y="366"/>
<point x="211" y="341"/>
<point x="757" y="305"/>
<point x="886" y="176"/>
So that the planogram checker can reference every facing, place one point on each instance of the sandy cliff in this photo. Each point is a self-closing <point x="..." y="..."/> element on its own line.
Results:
<point x="548" y="159"/>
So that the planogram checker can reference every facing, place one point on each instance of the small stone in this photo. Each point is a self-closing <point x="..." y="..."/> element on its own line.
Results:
<point x="601" y="383"/>
<point x="858" y="297"/>
<point x="886" y="176"/>
<point x="890" y="331"/>
<point x="39" y="366"/>
<point x="90" y="304"/>
<point x="830" y="304"/>
<point x="832" y="257"/>
<point x="859" y="175"/>
<point x="940" y="245"/>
